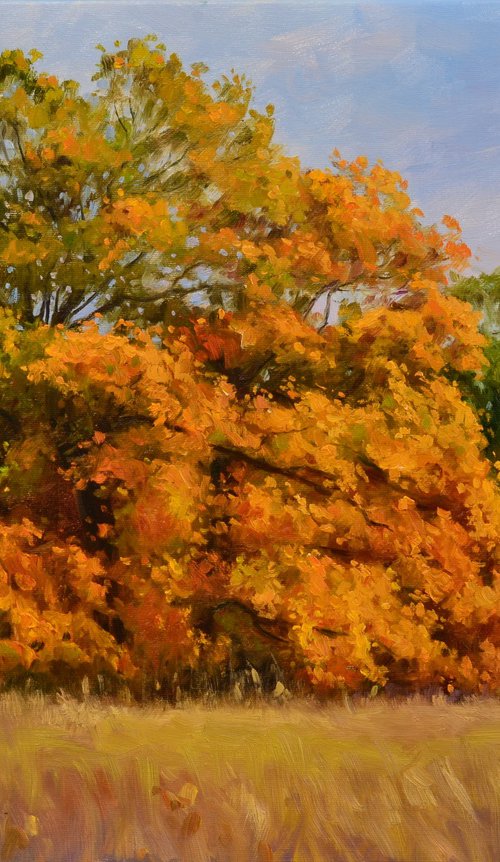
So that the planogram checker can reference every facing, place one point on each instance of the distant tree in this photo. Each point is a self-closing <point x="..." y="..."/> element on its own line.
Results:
<point x="483" y="293"/>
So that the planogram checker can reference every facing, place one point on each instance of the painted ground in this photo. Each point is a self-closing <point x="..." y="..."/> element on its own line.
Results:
<point x="374" y="782"/>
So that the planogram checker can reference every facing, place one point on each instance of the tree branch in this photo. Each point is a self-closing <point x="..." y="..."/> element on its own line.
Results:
<point x="122" y="124"/>
<point x="257" y="620"/>
<point x="289" y="473"/>
<point x="18" y="139"/>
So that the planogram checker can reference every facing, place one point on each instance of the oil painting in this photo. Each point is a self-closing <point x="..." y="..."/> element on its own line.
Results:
<point x="249" y="431"/>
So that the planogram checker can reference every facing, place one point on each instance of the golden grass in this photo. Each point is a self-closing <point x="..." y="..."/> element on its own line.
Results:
<point x="381" y="782"/>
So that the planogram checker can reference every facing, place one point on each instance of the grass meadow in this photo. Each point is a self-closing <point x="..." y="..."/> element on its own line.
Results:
<point x="378" y="781"/>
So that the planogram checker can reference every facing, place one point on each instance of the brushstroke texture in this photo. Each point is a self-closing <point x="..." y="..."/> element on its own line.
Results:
<point x="378" y="783"/>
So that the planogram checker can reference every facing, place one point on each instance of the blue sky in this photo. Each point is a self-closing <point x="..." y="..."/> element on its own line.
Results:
<point x="416" y="84"/>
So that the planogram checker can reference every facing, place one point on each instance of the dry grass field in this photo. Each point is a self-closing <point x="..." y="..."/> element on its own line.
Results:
<point x="375" y="782"/>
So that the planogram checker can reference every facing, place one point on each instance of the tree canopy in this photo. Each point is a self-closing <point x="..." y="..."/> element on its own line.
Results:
<point x="163" y="191"/>
<point x="263" y="455"/>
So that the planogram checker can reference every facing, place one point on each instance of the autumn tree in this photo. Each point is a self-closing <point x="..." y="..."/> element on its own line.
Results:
<point x="284" y="471"/>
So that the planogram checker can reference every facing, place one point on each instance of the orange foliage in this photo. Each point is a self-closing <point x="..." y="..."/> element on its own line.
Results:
<point x="287" y="474"/>
<point x="251" y="487"/>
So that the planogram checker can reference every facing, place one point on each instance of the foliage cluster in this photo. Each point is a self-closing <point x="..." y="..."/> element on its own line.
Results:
<point x="483" y="392"/>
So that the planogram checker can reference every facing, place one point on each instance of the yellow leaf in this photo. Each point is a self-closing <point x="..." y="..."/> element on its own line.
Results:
<point x="188" y="792"/>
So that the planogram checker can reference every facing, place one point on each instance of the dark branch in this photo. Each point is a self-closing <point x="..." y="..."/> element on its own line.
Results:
<point x="258" y="621"/>
<point x="289" y="473"/>
<point x="18" y="139"/>
<point x="330" y="633"/>
<point x="122" y="124"/>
